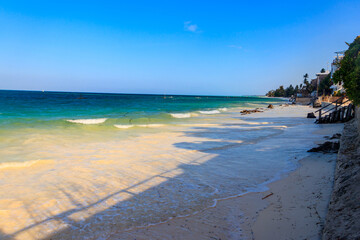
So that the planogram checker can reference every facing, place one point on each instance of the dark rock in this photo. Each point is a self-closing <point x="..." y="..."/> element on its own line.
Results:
<point x="270" y="106"/>
<point x="311" y="115"/>
<point x="336" y="136"/>
<point x="244" y="112"/>
<point x="327" y="147"/>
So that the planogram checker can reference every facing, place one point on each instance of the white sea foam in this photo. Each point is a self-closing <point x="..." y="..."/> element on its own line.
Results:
<point x="124" y="126"/>
<point x="154" y="125"/>
<point x="88" y="121"/>
<point x="210" y="112"/>
<point x="180" y="115"/>
<point x="223" y="109"/>
<point x="198" y="124"/>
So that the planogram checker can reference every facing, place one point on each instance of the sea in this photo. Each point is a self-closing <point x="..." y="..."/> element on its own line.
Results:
<point x="87" y="165"/>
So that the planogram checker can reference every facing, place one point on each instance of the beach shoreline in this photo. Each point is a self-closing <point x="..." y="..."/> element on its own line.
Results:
<point x="293" y="206"/>
<point x="219" y="160"/>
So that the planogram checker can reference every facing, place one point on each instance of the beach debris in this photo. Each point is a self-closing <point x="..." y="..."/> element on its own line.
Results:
<point x="327" y="147"/>
<point x="270" y="106"/>
<point x="270" y="194"/>
<point x="244" y="112"/>
<point x="311" y="115"/>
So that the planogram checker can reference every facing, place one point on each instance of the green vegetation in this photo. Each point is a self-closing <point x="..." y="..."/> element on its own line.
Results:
<point x="306" y="76"/>
<point x="349" y="71"/>
<point x="306" y="88"/>
<point x="348" y="74"/>
<point x="281" y="92"/>
<point x="324" y="86"/>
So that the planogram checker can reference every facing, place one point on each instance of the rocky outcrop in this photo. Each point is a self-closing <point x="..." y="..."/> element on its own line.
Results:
<point x="343" y="218"/>
<point x="326" y="147"/>
<point x="244" y="112"/>
<point x="311" y="115"/>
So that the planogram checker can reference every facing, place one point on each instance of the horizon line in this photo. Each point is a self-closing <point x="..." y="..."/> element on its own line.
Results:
<point x="117" y="93"/>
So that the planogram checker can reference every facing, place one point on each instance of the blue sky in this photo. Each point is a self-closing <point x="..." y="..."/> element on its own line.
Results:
<point x="171" y="47"/>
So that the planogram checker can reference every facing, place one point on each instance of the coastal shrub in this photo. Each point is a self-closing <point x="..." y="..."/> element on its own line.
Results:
<point x="349" y="72"/>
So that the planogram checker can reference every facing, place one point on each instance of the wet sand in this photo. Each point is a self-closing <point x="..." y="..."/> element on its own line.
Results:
<point x="293" y="207"/>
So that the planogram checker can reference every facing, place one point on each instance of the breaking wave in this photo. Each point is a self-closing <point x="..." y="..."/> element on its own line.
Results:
<point x="210" y="112"/>
<point x="180" y="115"/>
<point x="88" y="121"/>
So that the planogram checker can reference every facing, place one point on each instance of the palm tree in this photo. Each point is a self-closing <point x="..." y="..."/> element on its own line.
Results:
<point x="306" y="76"/>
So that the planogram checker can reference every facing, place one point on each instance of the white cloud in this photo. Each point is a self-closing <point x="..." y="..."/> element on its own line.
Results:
<point x="188" y="26"/>
<point x="235" y="46"/>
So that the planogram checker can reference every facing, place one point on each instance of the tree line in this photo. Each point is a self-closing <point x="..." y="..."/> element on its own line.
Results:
<point x="348" y="74"/>
<point x="305" y="88"/>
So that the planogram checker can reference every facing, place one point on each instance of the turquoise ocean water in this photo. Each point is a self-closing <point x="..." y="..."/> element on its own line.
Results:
<point x="28" y="118"/>
<point x="53" y="109"/>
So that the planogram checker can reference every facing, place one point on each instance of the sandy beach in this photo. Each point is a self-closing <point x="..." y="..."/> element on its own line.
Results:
<point x="293" y="208"/>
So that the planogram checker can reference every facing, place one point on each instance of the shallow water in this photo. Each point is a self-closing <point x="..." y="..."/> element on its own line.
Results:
<point x="99" y="173"/>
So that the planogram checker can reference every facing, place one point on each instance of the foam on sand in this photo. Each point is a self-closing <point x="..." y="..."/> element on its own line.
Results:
<point x="88" y="121"/>
<point x="153" y="125"/>
<point x="124" y="126"/>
